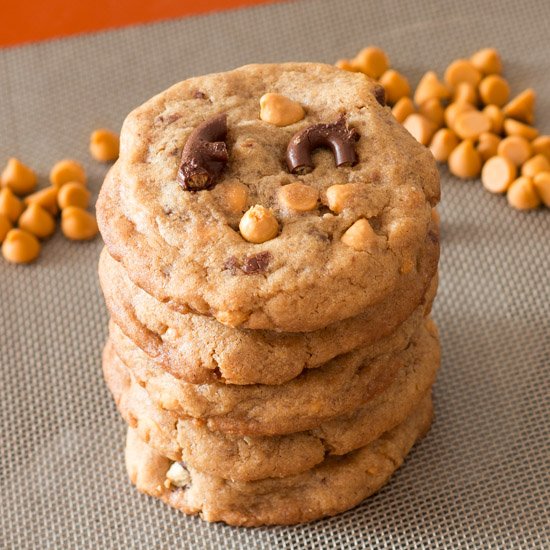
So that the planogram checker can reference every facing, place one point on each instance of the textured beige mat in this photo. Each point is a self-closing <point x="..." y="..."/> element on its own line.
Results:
<point x="480" y="479"/>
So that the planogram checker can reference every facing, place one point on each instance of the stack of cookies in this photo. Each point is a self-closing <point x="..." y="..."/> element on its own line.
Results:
<point x="270" y="264"/>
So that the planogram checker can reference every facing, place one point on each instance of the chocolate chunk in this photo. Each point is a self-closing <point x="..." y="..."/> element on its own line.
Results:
<point x="380" y="94"/>
<point x="205" y="155"/>
<point x="199" y="95"/>
<point x="257" y="263"/>
<point x="168" y="119"/>
<point x="337" y="137"/>
<point x="251" y="265"/>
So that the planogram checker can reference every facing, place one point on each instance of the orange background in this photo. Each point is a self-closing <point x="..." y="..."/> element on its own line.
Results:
<point x="30" y="20"/>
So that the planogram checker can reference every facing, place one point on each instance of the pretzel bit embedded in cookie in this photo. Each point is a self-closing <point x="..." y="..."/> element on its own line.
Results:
<point x="205" y="155"/>
<point x="336" y="136"/>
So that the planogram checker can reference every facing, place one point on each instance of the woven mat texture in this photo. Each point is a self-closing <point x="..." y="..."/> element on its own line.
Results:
<point x="481" y="477"/>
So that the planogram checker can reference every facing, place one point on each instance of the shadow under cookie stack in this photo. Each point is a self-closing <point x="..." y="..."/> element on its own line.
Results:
<point x="270" y="264"/>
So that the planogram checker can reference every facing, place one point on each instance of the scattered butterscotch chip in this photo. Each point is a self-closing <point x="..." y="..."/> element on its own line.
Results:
<point x="232" y="195"/>
<point x="65" y="171"/>
<point x="339" y="196"/>
<point x="515" y="148"/>
<point x="402" y="109"/>
<point x="465" y="161"/>
<point x="541" y="146"/>
<point x="20" y="247"/>
<point x="494" y="90"/>
<point x="453" y="110"/>
<point x="77" y="224"/>
<point x="10" y="205"/>
<point x="535" y="165"/>
<point x="433" y="111"/>
<point x="46" y="198"/>
<point x="73" y="194"/>
<point x="461" y="70"/>
<point x="515" y="128"/>
<point x="346" y="65"/>
<point x="5" y="226"/>
<point x="298" y="196"/>
<point x="361" y="236"/>
<point x="443" y="143"/>
<point x="18" y="177"/>
<point x="38" y="221"/>
<point x="522" y="194"/>
<point x="104" y="145"/>
<point x="497" y="174"/>
<point x="420" y="128"/>
<point x="465" y="93"/>
<point x="471" y="124"/>
<point x="430" y="87"/>
<point x="396" y="86"/>
<point x="280" y="110"/>
<point x="487" y="61"/>
<point x="258" y="225"/>
<point x="371" y="61"/>
<point x="496" y="116"/>
<point x="542" y="185"/>
<point x="487" y="145"/>
<point x="522" y="106"/>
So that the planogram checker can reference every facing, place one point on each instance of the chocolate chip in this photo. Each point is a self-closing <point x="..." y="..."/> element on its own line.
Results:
<point x="257" y="263"/>
<point x="232" y="264"/>
<point x="205" y="155"/>
<point x="168" y="119"/>
<point x="380" y="94"/>
<point x="337" y="137"/>
<point x="199" y="95"/>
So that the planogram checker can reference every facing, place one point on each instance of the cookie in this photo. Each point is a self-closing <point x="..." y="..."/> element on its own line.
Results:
<point x="198" y="349"/>
<point x="250" y="458"/>
<point x="189" y="242"/>
<point x="318" y="395"/>
<point x="335" y="485"/>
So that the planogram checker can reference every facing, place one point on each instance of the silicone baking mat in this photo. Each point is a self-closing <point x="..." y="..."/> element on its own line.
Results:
<point x="481" y="477"/>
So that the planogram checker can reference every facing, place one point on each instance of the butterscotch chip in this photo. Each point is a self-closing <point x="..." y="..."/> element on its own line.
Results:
<point x="346" y="65"/>
<point x="19" y="178"/>
<point x="420" y="128"/>
<point x="73" y="194"/>
<point x="461" y="70"/>
<point x="453" y="110"/>
<point x="430" y="87"/>
<point x="258" y="225"/>
<point x="20" y="247"/>
<point x="396" y="86"/>
<point x="361" y="236"/>
<point x="465" y="93"/>
<point x="46" y="198"/>
<point x="104" y="145"/>
<point x="371" y="61"/>
<point x="497" y="174"/>
<point x="515" y="128"/>
<point x="402" y="109"/>
<point x="280" y="110"/>
<point x="232" y="195"/>
<point x="443" y="143"/>
<point x="465" y="161"/>
<point x="65" y="171"/>
<point x="487" y="145"/>
<point x="496" y="116"/>
<point x="515" y="148"/>
<point x="339" y="196"/>
<point x="77" y="224"/>
<point x="522" y="194"/>
<point x="542" y="185"/>
<point x="541" y="145"/>
<point x="494" y="90"/>
<point x="487" y="61"/>
<point x="522" y="106"/>
<point x="38" y="221"/>
<point x="10" y="205"/>
<point x="535" y="165"/>
<point x="470" y="124"/>
<point x="5" y="226"/>
<point x="433" y="111"/>
<point x="299" y="197"/>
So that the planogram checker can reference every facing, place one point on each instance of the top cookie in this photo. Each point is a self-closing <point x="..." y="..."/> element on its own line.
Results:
<point x="261" y="225"/>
